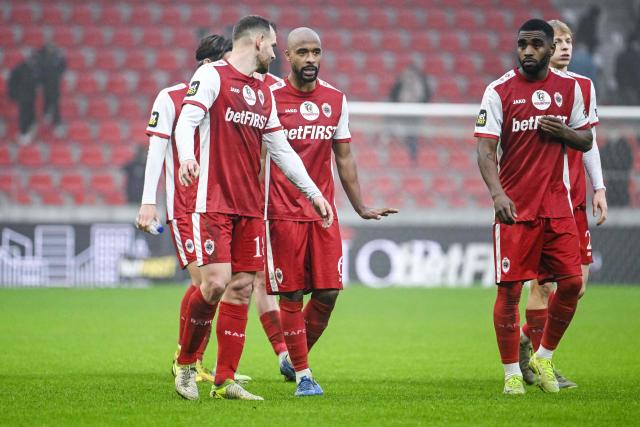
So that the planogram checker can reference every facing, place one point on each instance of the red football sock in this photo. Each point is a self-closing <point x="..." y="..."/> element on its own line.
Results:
<point x="294" y="333"/>
<point x="506" y="321"/>
<point x="561" y="310"/>
<point x="230" y="330"/>
<point x="272" y="327"/>
<point x="199" y="316"/>
<point x="316" y="319"/>
<point x="183" y="309"/>
<point x="535" y="325"/>
<point x="525" y="331"/>
<point x="205" y="342"/>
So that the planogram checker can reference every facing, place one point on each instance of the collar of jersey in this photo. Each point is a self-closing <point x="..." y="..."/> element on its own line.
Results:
<point x="523" y="78"/>
<point x="299" y="92"/>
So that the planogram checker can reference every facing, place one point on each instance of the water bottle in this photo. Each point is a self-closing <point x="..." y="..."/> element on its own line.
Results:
<point x="155" y="227"/>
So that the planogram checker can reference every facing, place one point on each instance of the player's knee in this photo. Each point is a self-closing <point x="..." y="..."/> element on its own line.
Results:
<point x="582" y="292"/>
<point x="212" y="288"/>
<point x="296" y="296"/>
<point x="571" y="286"/>
<point x="240" y="288"/>
<point x="327" y="296"/>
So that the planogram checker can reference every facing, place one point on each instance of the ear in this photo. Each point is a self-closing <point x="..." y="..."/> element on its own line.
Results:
<point x="206" y="61"/>
<point x="287" y="55"/>
<point x="259" y="40"/>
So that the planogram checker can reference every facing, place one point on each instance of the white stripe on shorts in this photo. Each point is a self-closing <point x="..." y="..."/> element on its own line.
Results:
<point x="496" y="236"/>
<point x="195" y="218"/>
<point x="176" y="234"/>
<point x="270" y="268"/>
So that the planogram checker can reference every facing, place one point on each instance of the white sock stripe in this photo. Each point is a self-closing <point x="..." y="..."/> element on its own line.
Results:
<point x="178" y="239"/>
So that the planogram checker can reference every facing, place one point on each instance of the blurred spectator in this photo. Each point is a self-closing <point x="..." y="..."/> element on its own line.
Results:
<point x="52" y="62"/>
<point x="628" y="72"/>
<point x="412" y="86"/>
<point x="582" y="62"/>
<point x="588" y="29"/>
<point x="135" y="175"/>
<point x="617" y="159"/>
<point x="22" y="85"/>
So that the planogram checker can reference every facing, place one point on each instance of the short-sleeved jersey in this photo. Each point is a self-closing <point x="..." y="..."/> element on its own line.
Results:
<point x="577" y="176"/>
<point x="238" y="111"/>
<point x="164" y="116"/>
<point x="270" y="79"/>
<point x="313" y="122"/>
<point x="532" y="165"/>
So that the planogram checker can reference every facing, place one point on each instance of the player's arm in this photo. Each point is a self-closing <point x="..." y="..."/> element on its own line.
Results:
<point x="577" y="134"/>
<point x="593" y="166"/>
<point x="203" y="90"/>
<point x="159" y="131"/>
<point x="504" y="208"/>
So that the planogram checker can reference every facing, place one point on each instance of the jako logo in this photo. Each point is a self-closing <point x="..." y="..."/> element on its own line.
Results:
<point x="531" y="123"/>
<point x="246" y="118"/>
<point x="235" y="90"/>
<point x="519" y="101"/>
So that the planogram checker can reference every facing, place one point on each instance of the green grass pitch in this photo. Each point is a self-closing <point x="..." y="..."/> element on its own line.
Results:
<point x="389" y="357"/>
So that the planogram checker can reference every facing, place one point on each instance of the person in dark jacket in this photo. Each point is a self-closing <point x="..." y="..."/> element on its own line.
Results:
<point x="53" y="64"/>
<point x="22" y="86"/>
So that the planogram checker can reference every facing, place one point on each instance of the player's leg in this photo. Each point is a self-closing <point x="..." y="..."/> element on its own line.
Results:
<point x="317" y="313"/>
<point x="506" y="323"/>
<point x="531" y="332"/>
<point x="246" y="258"/>
<point x="560" y="257"/>
<point x="585" y="279"/>
<point x="267" y="306"/>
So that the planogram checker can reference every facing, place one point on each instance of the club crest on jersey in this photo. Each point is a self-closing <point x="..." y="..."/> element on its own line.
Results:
<point x="189" y="246"/>
<point x="326" y="110"/>
<point x="261" y="96"/>
<point x="506" y="264"/>
<point x="209" y="246"/>
<point x="482" y="118"/>
<point x="193" y="88"/>
<point x="249" y="95"/>
<point x="558" y="98"/>
<point x="541" y="99"/>
<point x="309" y="110"/>
<point x="153" y="121"/>
<point x="279" y="276"/>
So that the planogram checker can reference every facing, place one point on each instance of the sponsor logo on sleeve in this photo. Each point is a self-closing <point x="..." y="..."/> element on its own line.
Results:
<point x="326" y="109"/>
<point x="309" y="110"/>
<point x="193" y="88"/>
<point x="541" y="99"/>
<point x="482" y="118"/>
<point x="153" y="121"/>
<point x="558" y="98"/>
<point x="249" y="95"/>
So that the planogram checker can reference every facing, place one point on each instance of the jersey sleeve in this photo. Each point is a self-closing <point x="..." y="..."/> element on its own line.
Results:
<point x="489" y="121"/>
<point x="593" y="107"/>
<point x="204" y="87"/>
<point x="163" y="113"/>
<point x="273" y="123"/>
<point x="342" y="131"/>
<point x="579" y="117"/>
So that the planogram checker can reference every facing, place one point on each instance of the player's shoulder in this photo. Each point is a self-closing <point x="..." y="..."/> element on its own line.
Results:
<point x="579" y="76"/>
<point x="279" y="84"/>
<point x="563" y="75"/>
<point x="165" y="94"/>
<point x="329" y="87"/>
<point x="503" y="80"/>
<point x="212" y="67"/>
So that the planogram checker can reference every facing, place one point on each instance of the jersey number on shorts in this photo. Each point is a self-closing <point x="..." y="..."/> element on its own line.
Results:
<point x="259" y="246"/>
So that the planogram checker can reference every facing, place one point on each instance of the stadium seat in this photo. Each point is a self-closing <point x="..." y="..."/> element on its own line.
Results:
<point x="76" y="60"/>
<point x="291" y="17"/>
<point x="9" y="182"/>
<point x="399" y="157"/>
<point x="110" y="132"/>
<point x="8" y="36"/>
<point x="112" y="14"/>
<point x="414" y="185"/>
<point x="107" y="60"/>
<point x="51" y="198"/>
<point x="333" y="41"/>
<point x="102" y="183"/>
<point x="468" y="20"/>
<point x="121" y="154"/>
<point x="22" y="14"/>
<point x="153" y="37"/>
<point x="82" y="14"/>
<point x="33" y="36"/>
<point x="348" y="17"/>
<point x="118" y="85"/>
<point x="41" y="183"/>
<point x="178" y="14"/>
<point x="87" y="84"/>
<point x="131" y="110"/>
<point x="61" y="156"/>
<point x="393" y="41"/>
<point x="364" y="41"/>
<point x="496" y="20"/>
<point x="410" y="20"/>
<point x="435" y="65"/>
<point x="113" y="198"/>
<point x="79" y="131"/>
<point x="53" y="14"/>
<point x="448" y="90"/>
<point x="124" y="38"/>
<point x="475" y="187"/>
<point x="72" y="184"/>
<point x="451" y="41"/>
<point x="379" y="18"/>
<point x="443" y="184"/>
<point x="437" y="19"/>
<point x="429" y="159"/>
<point x="382" y="185"/>
<point x="94" y="37"/>
<point x="30" y="156"/>
<point x="144" y="13"/>
<point x="99" y="108"/>
<point x="5" y="156"/>
<point x="93" y="156"/>
<point x="12" y="57"/>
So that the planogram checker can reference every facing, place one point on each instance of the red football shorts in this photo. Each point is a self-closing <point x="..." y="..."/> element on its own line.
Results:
<point x="580" y="214"/>
<point x="303" y="256"/>
<point x="228" y="238"/>
<point x="544" y="249"/>
<point x="182" y="233"/>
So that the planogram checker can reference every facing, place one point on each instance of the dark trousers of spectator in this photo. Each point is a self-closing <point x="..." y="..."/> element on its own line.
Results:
<point x="52" y="103"/>
<point x="27" y="115"/>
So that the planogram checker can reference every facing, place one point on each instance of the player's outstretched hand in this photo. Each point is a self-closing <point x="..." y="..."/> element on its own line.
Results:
<point x="323" y="208"/>
<point x="600" y="204"/>
<point x="146" y="215"/>
<point x="377" y="214"/>
<point x="189" y="171"/>
<point x="505" y="209"/>
<point x="552" y="125"/>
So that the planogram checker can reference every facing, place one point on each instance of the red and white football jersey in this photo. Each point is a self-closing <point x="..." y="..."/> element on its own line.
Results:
<point x="313" y="122"/>
<point x="532" y="165"/>
<point x="576" y="167"/>
<point x="164" y="116"/>
<point x="238" y="111"/>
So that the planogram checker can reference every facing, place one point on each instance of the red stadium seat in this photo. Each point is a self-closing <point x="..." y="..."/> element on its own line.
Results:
<point x="136" y="61"/>
<point x="475" y="187"/>
<point x="496" y="20"/>
<point x="291" y="17"/>
<point x="110" y="132"/>
<point x="93" y="156"/>
<point x="21" y="196"/>
<point x="102" y="183"/>
<point x="121" y="154"/>
<point x="9" y="37"/>
<point x="348" y="18"/>
<point x="435" y="65"/>
<point x="9" y="182"/>
<point x="383" y="185"/>
<point x="82" y="14"/>
<point x="12" y="57"/>
<point x="98" y="108"/>
<point x="144" y="13"/>
<point x="423" y="42"/>
<point x="400" y="158"/>
<point x="480" y="40"/>
<point x="131" y="110"/>
<point x="79" y="131"/>
<point x="393" y="41"/>
<point x="124" y="37"/>
<point x="61" y="156"/>
<point x="333" y="41"/>
<point x="33" y="36"/>
<point x="468" y="20"/>
<point x="465" y="64"/>
<point x="86" y="84"/>
<point x="107" y="60"/>
<point x="76" y="60"/>
<point x="153" y="37"/>
<point x="53" y="14"/>
<point x="5" y="156"/>
<point x="414" y="185"/>
<point x="379" y="18"/>
<point x="112" y="14"/>
<point x="94" y="37"/>
<point x="460" y="160"/>
<point x="52" y="198"/>
<point x="367" y="156"/>
<point x="410" y="20"/>
<point x="443" y="185"/>
<point x="167" y="60"/>
<point x="175" y="14"/>
<point x="429" y="159"/>
<point x="22" y="14"/>
<point x="118" y="85"/>
<point x="437" y="19"/>
<point x="64" y="36"/>
<point x="115" y="197"/>
<point x="30" y="156"/>
<point x="72" y="184"/>
<point x="364" y="41"/>
<point x="41" y="183"/>
<point x="451" y="41"/>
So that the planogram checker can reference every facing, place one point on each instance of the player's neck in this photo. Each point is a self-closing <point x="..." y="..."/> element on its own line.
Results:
<point x="540" y="75"/>
<point x="561" y="69"/>
<point x="301" y="86"/>
<point x="246" y="64"/>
